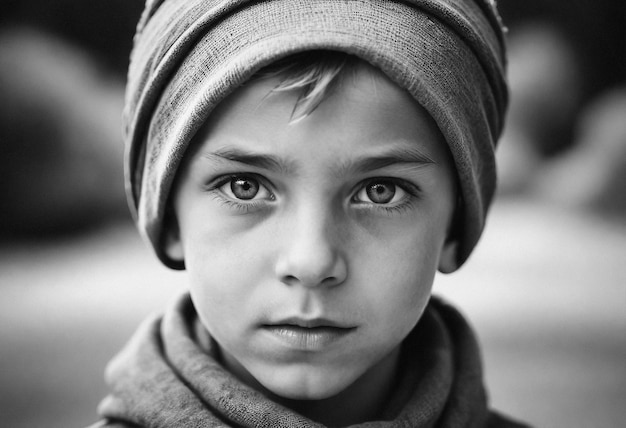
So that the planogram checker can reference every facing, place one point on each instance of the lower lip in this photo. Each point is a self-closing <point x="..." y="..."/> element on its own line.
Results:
<point x="308" y="339"/>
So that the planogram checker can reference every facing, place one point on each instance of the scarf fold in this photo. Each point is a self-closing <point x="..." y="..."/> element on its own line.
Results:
<point x="168" y="375"/>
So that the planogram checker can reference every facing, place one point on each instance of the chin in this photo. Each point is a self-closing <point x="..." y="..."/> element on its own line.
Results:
<point x="311" y="385"/>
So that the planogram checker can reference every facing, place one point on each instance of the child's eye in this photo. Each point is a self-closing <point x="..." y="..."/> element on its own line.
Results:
<point x="381" y="192"/>
<point x="245" y="188"/>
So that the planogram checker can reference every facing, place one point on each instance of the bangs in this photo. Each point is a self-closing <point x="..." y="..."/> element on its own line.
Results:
<point x="313" y="74"/>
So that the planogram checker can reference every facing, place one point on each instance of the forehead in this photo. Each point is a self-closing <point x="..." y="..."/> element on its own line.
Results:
<point x="364" y="113"/>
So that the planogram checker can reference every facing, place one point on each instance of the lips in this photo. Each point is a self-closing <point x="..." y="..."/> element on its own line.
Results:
<point x="308" y="335"/>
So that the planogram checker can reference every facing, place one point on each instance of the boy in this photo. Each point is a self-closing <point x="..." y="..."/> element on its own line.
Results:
<point x="311" y="164"/>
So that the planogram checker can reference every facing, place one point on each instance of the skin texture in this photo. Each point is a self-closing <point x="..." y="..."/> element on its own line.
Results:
<point x="340" y="218"/>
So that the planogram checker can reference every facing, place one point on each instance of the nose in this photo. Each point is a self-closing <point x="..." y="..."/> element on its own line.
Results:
<point x="311" y="254"/>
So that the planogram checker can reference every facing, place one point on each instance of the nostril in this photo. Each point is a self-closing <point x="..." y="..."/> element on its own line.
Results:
<point x="329" y="281"/>
<point x="293" y="280"/>
<point x="290" y="280"/>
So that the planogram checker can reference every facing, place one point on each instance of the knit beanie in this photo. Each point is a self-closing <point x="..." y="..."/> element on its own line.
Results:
<point x="188" y="55"/>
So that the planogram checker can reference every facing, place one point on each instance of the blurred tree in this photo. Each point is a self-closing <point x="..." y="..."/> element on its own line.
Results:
<point x="62" y="67"/>
<point x="104" y="28"/>
<point x="596" y="29"/>
<point x="60" y="138"/>
<point x="566" y="137"/>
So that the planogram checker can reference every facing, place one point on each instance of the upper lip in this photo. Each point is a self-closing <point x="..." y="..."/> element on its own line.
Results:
<point x="309" y="323"/>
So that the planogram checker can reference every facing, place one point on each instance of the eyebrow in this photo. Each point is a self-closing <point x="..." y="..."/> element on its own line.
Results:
<point x="397" y="156"/>
<point x="268" y="162"/>
<point x="394" y="157"/>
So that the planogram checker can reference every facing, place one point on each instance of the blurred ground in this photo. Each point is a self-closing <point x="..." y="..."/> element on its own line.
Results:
<point x="546" y="291"/>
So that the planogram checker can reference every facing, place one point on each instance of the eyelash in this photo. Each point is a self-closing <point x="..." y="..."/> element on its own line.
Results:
<point x="246" y="206"/>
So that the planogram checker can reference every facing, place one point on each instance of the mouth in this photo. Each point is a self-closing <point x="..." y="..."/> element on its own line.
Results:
<point x="308" y="335"/>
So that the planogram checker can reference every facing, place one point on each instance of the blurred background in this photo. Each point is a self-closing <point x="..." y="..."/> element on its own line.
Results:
<point x="546" y="287"/>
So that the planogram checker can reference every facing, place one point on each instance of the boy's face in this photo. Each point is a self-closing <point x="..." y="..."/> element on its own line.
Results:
<point x="311" y="246"/>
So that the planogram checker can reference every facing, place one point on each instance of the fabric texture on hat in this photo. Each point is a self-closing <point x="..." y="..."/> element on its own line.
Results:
<point x="189" y="55"/>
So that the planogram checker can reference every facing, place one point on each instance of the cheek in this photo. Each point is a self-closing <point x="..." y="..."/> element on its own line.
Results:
<point x="218" y="246"/>
<point x="398" y="273"/>
<point x="223" y="272"/>
<point x="404" y="252"/>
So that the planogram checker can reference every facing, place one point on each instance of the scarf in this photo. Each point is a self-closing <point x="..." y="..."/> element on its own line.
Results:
<point x="169" y="375"/>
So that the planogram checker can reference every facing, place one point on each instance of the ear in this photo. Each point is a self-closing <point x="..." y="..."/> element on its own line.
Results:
<point x="171" y="241"/>
<point x="448" y="256"/>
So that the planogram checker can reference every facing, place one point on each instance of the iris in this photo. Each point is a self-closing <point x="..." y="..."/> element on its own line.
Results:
<point x="244" y="187"/>
<point x="381" y="192"/>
